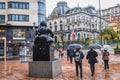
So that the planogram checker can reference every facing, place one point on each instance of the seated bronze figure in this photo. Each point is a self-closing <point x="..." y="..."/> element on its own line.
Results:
<point x="42" y="43"/>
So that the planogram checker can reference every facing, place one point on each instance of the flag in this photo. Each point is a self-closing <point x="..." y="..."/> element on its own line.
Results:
<point x="69" y="35"/>
<point x="72" y="33"/>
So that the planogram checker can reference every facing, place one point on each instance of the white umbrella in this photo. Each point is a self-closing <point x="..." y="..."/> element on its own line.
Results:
<point x="109" y="49"/>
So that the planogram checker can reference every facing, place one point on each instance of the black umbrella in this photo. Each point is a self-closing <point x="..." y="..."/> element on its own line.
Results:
<point x="74" y="46"/>
<point x="95" y="46"/>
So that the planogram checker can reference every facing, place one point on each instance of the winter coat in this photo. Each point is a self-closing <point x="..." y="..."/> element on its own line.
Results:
<point x="70" y="52"/>
<point x="91" y="56"/>
<point x="60" y="50"/>
<point x="105" y="55"/>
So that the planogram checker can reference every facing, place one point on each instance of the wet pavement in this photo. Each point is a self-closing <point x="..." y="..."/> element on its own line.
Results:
<point x="17" y="70"/>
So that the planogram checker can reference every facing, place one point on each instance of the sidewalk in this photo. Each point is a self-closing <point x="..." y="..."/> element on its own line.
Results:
<point x="15" y="70"/>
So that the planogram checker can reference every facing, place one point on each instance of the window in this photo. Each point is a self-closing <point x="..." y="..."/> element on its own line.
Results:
<point x="50" y="23"/>
<point x="61" y="27"/>
<point x="41" y="18"/>
<point x="2" y="18"/>
<point x="68" y="27"/>
<point x="17" y="17"/>
<point x="18" y="5"/>
<point x="41" y="0"/>
<point x="55" y="28"/>
<point x="2" y="5"/>
<point x="68" y="19"/>
<point x="78" y="35"/>
<point x="51" y="27"/>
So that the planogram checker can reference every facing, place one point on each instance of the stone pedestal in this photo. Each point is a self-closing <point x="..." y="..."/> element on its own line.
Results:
<point x="45" y="69"/>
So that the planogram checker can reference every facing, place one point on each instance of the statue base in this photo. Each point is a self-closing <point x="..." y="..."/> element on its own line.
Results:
<point x="45" y="69"/>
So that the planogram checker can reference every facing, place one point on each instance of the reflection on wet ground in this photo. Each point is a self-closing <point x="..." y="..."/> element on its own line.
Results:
<point x="17" y="70"/>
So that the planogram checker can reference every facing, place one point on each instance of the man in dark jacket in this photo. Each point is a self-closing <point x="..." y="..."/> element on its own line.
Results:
<point x="70" y="53"/>
<point x="91" y="56"/>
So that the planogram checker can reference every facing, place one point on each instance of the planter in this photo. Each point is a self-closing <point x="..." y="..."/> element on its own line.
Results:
<point x="117" y="51"/>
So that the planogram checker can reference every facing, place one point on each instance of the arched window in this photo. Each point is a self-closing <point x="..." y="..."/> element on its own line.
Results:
<point x="50" y="23"/>
<point x="61" y="27"/>
<point x="68" y="27"/>
<point x="78" y="35"/>
<point x="60" y="21"/>
<point x="51" y="27"/>
<point x="55" y="28"/>
<point x="55" y="22"/>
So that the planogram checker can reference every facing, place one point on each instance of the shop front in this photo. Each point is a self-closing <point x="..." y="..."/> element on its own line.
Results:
<point x="18" y="48"/>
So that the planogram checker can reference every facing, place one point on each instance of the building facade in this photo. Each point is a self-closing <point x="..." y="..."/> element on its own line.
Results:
<point x="17" y="19"/>
<point x="74" y="23"/>
<point x="112" y="15"/>
<point x="41" y="11"/>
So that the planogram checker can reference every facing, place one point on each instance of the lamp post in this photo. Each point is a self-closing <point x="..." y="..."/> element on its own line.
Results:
<point x="100" y="27"/>
<point x="33" y="31"/>
<point x="117" y="37"/>
<point x="62" y="36"/>
<point x="34" y="26"/>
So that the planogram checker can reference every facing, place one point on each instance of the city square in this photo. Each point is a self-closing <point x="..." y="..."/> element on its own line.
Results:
<point x="18" y="70"/>
<point x="39" y="39"/>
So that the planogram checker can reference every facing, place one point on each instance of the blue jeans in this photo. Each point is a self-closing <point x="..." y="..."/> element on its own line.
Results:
<point x="106" y="65"/>
<point x="71" y="59"/>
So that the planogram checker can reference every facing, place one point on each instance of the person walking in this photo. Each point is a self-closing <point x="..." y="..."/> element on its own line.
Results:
<point x="70" y="53"/>
<point x="105" y="58"/>
<point x="78" y="56"/>
<point x="60" y="50"/>
<point x="91" y="57"/>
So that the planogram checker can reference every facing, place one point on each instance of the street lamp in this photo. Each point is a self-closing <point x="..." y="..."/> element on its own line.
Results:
<point x="100" y="22"/>
<point x="34" y="26"/>
<point x="62" y="34"/>
<point x="117" y="37"/>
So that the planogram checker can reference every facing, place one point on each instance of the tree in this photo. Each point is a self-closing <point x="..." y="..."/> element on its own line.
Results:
<point x="109" y="33"/>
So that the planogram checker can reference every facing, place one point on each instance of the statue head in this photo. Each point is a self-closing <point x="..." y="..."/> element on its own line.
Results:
<point x="43" y="23"/>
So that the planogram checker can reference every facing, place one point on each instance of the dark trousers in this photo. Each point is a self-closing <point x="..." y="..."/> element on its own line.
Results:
<point x="78" y="64"/>
<point x="71" y="59"/>
<point x="92" y="67"/>
<point x="106" y="65"/>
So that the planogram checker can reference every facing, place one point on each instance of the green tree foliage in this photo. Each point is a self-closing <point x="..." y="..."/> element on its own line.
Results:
<point x="109" y="33"/>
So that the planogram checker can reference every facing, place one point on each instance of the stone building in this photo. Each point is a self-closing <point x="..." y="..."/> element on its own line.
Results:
<point x="112" y="15"/>
<point x="75" y="23"/>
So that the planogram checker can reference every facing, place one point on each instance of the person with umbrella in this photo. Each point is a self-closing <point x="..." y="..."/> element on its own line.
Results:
<point x="91" y="57"/>
<point x="70" y="53"/>
<point x="106" y="59"/>
<point x="71" y="49"/>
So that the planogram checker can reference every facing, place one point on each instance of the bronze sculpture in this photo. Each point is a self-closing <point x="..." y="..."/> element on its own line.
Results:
<point x="42" y="44"/>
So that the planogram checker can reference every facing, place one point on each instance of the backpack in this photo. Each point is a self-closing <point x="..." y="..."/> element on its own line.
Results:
<point x="77" y="56"/>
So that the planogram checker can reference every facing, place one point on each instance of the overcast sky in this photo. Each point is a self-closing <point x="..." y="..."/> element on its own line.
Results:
<point x="51" y="4"/>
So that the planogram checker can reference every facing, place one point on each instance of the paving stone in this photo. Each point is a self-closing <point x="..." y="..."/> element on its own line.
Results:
<point x="15" y="70"/>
